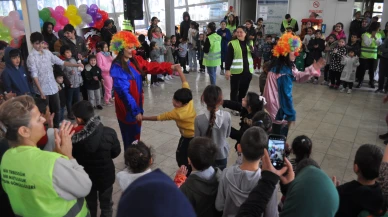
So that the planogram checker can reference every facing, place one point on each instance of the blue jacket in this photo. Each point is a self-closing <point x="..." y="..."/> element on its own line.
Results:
<point x="15" y="79"/>
<point x="224" y="42"/>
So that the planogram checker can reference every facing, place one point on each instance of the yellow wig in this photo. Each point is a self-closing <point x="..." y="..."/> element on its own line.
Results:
<point x="123" y="40"/>
<point x="287" y="43"/>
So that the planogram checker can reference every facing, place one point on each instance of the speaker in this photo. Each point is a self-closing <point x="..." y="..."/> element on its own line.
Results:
<point x="133" y="9"/>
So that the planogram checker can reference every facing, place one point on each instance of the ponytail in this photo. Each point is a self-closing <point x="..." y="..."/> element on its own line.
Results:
<point x="212" y="96"/>
<point x="212" y="120"/>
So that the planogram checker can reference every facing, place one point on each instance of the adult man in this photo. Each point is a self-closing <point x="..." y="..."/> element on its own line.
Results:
<point x="76" y="43"/>
<point x="289" y="22"/>
<point x="154" y="23"/>
<point x="185" y="25"/>
<point x="355" y="25"/>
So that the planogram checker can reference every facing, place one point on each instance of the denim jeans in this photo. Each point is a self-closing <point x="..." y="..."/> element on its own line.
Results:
<point x="192" y="59"/>
<point x="61" y="114"/>
<point x="211" y="70"/>
<point x="72" y="95"/>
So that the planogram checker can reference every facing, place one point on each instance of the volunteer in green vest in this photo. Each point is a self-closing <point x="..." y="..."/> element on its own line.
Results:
<point x="212" y="52"/>
<point x="370" y="40"/>
<point x="40" y="183"/>
<point x="289" y="22"/>
<point x="239" y="64"/>
<point x="231" y="20"/>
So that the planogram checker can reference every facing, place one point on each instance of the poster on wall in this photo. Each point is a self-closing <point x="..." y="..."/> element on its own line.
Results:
<point x="317" y="7"/>
<point x="276" y="10"/>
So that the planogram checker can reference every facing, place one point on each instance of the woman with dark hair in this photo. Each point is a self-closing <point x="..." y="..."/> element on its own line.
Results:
<point x="49" y="37"/>
<point x="338" y="31"/>
<point x="212" y="52"/>
<point x="108" y="31"/>
<point x="260" y="26"/>
<point x="127" y="70"/>
<point x="232" y="21"/>
<point x="370" y="41"/>
<point x="278" y="88"/>
<point x="250" y="30"/>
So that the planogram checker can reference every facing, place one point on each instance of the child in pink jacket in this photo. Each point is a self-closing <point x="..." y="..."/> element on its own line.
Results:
<point x="104" y="61"/>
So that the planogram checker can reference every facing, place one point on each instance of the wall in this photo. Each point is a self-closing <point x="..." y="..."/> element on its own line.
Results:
<point x="334" y="11"/>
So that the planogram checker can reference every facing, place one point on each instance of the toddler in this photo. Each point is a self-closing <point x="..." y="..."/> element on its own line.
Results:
<point x="258" y="51"/>
<point x="267" y="48"/>
<point x="168" y="55"/>
<point x="330" y="44"/>
<point x="348" y="76"/>
<point x="92" y="75"/>
<point x="263" y="76"/>
<point x="104" y="61"/>
<point x="299" y="60"/>
<point x="200" y="52"/>
<point x="182" y="54"/>
<point x="59" y="78"/>
<point x="301" y="147"/>
<point x="336" y="67"/>
<point x="308" y="37"/>
<point x="138" y="159"/>
<point x="155" y="54"/>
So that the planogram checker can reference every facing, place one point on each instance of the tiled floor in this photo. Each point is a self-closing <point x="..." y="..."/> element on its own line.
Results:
<point x="338" y="123"/>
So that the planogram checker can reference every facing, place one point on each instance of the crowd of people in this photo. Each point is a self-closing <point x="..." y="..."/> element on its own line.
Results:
<point x="67" y="167"/>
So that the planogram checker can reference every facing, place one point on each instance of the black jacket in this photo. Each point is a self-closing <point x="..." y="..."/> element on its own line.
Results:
<point x="144" y="50"/>
<point x="49" y="38"/>
<point x="315" y="53"/>
<point x="62" y="95"/>
<point x="202" y="194"/>
<point x="356" y="47"/>
<point x="87" y="75"/>
<point x="94" y="147"/>
<point x="78" y="48"/>
<point x="355" y="25"/>
<point x="107" y="34"/>
<point x="185" y="26"/>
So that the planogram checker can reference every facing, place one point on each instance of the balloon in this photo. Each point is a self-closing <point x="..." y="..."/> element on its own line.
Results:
<point x="8" y="21"/>
<point x="91" y="24"/>
<point x="87" y="18"/>
<point x="77" y="20"/>
<point x="4" y="31"/>
<point x="70" y="14"/>
<point x="52" y="20"/>
<point x="19" y="25"/>
<point x="94" y="7"/>
<point x="98" y="17"/>
<point x="60" y="10"/>
<point x="72" y="8"/>
<point x="104" y="15"/>
<point x="15" y="33"/>
<point x="1" y="19"/>
<point x="41" y="23"/>
<point x="52" y="12"/>
<point x="64" y="21"/>
<point x="57" y="16"/>
<point x="44" y="14"/>
<point x="20" y="14"/>
<point x="14" y="15"/>
<point x="92" y="11"/>
<point x="58" y="27"/>
<point x="83" y="9"/>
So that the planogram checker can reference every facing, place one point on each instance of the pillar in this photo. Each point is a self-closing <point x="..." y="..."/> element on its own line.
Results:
<point x="384" y="17"/>
<point x="30" y="19"/>
<point x="170" y="17"/>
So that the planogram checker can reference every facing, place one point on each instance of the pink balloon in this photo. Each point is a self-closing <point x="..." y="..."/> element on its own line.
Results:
<point x="8" y="21"/>
<point x="15" y="15"/>
<point x="1" y="18"/>
<point x="51" y="11"/>
<point x="59" y="9"/>
<point x="19" y="25"/>
<point x="57" y="16"/>
<point x="15" y="33"/>
<point x="64" y="21"/>
<point x="58" y="27"/>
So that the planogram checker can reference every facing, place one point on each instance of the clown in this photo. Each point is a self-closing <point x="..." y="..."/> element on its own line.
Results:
<point x="278" y="87"/>
<point x="127" y="70"/>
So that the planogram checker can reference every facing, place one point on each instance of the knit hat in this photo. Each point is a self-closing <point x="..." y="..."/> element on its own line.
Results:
<point x="154" y="195"/>
<point x="122" y="40"/>
<point x="287" y="43"/>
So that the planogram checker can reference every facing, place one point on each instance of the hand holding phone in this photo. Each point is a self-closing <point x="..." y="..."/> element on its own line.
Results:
<point x="276" y="146"/>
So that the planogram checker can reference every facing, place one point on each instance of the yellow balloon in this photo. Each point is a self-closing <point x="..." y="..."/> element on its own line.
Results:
<point x="73" y="9"/>
<point x="77" y="20"/>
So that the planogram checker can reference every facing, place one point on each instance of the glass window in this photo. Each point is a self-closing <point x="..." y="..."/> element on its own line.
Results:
<point x="102" y="4"/>
<point x="214" y="12"/>
<point x="179" y="15"/>
<point x="157" y="9"/>
<point x="51" y="3"/>
<point x="138" y="23"/>
<point x="119" y="6"/>
<point x="6" y="7"/>
<point x="178" y="3"/>
<point x="191" y="2"/>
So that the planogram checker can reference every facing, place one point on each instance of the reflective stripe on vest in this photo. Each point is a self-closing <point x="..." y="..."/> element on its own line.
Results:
<point x="213" y="58"/>
<point x="33" y="178"/>
<point x="369" y="52"/>
<point x="237" y="66"/>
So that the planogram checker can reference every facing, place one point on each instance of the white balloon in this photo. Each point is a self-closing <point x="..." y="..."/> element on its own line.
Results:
<point x="87" y="18"/>
<point x="82" y="9"/>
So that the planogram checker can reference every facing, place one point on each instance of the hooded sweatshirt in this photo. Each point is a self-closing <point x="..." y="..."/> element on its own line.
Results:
<point x="50" y="38"/>
<point x="15" y="78"/>
<point x="72" y="73"/>
<point x="185" y="25"/>
<point x="234" y="188"/>
<point x="202" y="191"/>
<point x="220" y="133"/>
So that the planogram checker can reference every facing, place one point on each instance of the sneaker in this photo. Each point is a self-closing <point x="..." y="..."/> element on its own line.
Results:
<point x="235" y="113"/>
<point x="315" y="81"/>
<point x="166" y="78"/>
<point x="342" y="90"/>
<point x="160" y="80"/>
<point x="108" y="104"/>
<point x="203" y="71"/>
<point x="383" y="136"/>
<point x="324" y="83"/>
<point x="99" y="107"/>
<point x="349" y="91"/>
<point x="222" y="72"/>
<point x="170" y="77"/>
<point x="186" y="72"/>
<point x="359" y="85"/>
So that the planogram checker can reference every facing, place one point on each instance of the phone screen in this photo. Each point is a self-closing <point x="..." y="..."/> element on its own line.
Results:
<point x="205" y="30"/>
<point x="276" y="144"/>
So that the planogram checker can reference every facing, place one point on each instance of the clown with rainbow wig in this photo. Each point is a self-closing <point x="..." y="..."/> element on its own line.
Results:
<point x="127" y="70"/>
<point x="278" y="87"/>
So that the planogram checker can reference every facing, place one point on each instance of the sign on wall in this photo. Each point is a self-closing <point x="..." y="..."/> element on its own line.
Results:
<point x="272" y="12"/>
<point x="317" y="7"/>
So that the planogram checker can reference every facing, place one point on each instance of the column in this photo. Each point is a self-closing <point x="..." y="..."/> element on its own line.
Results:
<point x="384" y="18"/>
<point x="30" y="19"/>
<point x="170" y="17"/>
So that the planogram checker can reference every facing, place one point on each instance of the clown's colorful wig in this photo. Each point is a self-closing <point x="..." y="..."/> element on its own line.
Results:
<point x="122" y="40"/>
<point x="287" y="43"/>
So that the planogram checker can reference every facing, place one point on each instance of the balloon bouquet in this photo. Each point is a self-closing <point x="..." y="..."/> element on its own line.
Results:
<point x="12" y="28"/>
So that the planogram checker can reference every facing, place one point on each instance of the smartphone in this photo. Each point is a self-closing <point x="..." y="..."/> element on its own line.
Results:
<point x="276" y="146"/>
<point x="205" y="30"/>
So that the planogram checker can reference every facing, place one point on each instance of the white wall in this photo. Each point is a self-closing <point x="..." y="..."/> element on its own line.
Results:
<point x="334" y="11"/>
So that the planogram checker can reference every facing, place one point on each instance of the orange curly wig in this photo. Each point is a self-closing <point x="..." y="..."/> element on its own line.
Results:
<point x="287" y="43"/>
<point x="122" y="40"/>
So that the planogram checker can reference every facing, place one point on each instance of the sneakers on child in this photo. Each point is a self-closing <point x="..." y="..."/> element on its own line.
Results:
<point x="108" y="104"/>
<point x="342" y="90"/>
<point x="99" y="107"/>
<point x="336" y="87"/>
<point x="166" y="78"/>
<point x="349" y="91"/>
<point x="186" y="72"/>
<point x="170" y="77"/>
<point x="315" y="81"/>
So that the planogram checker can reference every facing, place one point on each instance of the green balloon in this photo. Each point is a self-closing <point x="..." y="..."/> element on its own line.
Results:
<point x="52" y="20"/>
<point x="44" y="14"/>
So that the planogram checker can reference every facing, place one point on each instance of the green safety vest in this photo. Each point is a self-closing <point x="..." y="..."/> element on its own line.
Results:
<point x="292" y="24"/>
<point x="237" y="64"/>
<point x="127" y="25"/>
<point x="371" y="51"/>
<point x="231" y="27"/>
<point x="213" y="58"/>
<point x="27" y="178"/>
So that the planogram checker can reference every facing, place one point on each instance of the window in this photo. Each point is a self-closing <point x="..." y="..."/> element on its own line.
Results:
<point x="213" y="12"/>
<point x="179" y="15"/>
<point x="157" y="9"/>
<point x="178" y="3"/>
<point x="51" y="3"/>
<point x="191" y="2"/>
<point x="105" y="5"/>
<point x="6" y="7"/>
<point x="119" y="6"/>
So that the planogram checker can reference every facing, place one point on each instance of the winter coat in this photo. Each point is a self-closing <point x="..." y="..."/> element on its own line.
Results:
<point x="315" y="53"/>
<point x="160" y="43"/>
<point x="224" y="42"/>
<point x="144" y="50"/>
<point x="356" y="47"/>
<point x="107" y="34"/>
<point x="88" y="74"/>
<point x="259" y="43"/>
<point x="335" y="62"/>
<point x="267" y="51"/>
<point x="168" y="57"/>
<point x="192" y="39"/>
<point x="73" y="74"/>
<point x="350" y="67"/>
<point x="185" y="25"/>
<point x="155" y="55"/>
<point x="94" y="147"/>
<point x="49" y="38"/>
<point x="328" y="48"/>
<point x="104" y="62"/>
<point x="78" y="48"/>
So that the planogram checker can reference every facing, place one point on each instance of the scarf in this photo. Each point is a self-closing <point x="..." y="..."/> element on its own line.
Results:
<point x="105" y="53"/>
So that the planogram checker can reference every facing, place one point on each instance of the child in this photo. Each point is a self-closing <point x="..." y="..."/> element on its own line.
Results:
<point x="263" y="76"/>
<point x="155" y="54"/>
<point x="202" y="185"/>
<point x="238" y="181"/>
<point x="258" y="51"/>
<point x="348" y="76"/>
<point x="335" y="63"/>
<point x="174" y="46"/>
<point x="138" y="159"/>
<point x="308" y="37"/>
<point x="267" y="49"/>
<point x="59" y="78"/>
<point x="316" y="46"/>
<point x="183" y="114"/>
<point x="182" y="54"/>
<point x="47" y="142"/>
<point x="14" y="77"/>
<point x="250" y="104"/>
<point x="263" y="120"/>
<point x="300" y="59"/>
<point x="144" y="50"/>
<point x="331" y="42"/>
<point x="94" y="147"/>
<point x="92" y="75"/>
<point x="354" y="44"/>
<point x="200" y="52"/>
<point x="192" y="46"/>
<point x="168" y="55"/>
<point x="301" y="147"/>
<point x="73" y="74"/>
<point x="104" y="61"/>
<point x="363" y="194"/>
<point x="158" y="38"/>
<point x="215" y="123"/>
